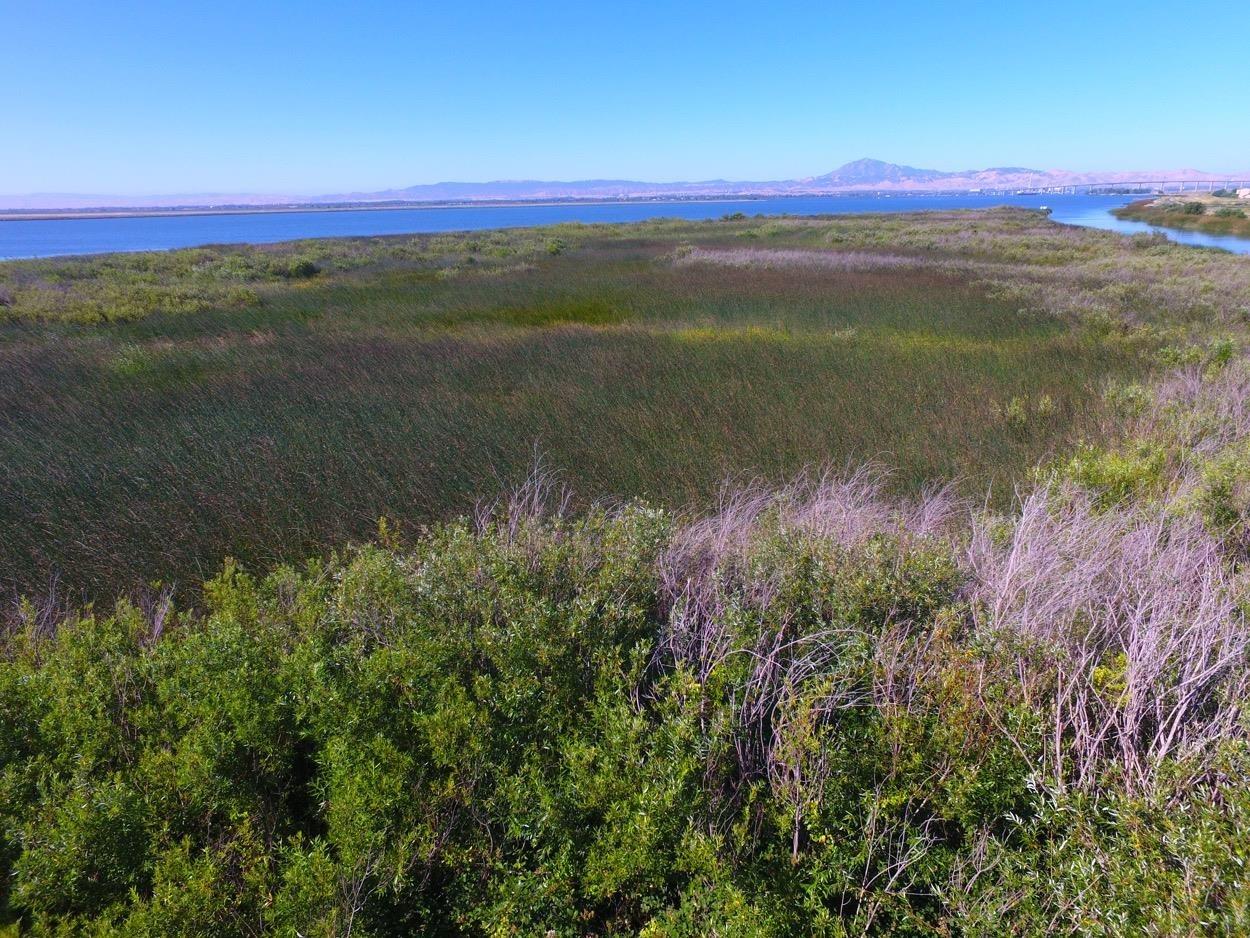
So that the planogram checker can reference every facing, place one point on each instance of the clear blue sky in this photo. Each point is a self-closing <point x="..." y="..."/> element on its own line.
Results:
<point x="315" y="97"/>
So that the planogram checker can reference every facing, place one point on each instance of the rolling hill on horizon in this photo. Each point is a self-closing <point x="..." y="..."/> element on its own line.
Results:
<point x="862" y="175"/>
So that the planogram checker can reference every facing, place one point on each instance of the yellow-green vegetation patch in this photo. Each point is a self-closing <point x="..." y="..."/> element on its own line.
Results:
<point x="1134" y="470"/>
<point x="584" y="312"/>
<point x="157" y="365"/>
<point x="754" y="334"/>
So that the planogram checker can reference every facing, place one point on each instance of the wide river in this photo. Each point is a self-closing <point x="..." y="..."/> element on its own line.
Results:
<point x="49" y="237"/>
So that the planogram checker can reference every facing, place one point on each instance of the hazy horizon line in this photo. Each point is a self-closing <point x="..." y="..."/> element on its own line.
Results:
<point x="330" y="189"/>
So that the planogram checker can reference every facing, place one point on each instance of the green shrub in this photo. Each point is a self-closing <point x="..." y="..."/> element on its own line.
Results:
<point x="1113" y="866"/>
<point x="296" y="268"/>
<point x="1113" y="476"/>
<point x="1224" y="496"/>
<point x="1128" y="399"/>
<point x="468" y="737"/>
<point x="496" y="731"/>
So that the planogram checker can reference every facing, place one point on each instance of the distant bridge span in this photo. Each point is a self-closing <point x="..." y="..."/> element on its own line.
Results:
<point x="1130" y="187"/>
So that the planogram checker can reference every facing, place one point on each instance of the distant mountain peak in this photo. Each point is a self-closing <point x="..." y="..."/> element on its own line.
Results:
<point x="873" y="172"/>
<point x="867" y="171"/>
<point x="868" y="164"/>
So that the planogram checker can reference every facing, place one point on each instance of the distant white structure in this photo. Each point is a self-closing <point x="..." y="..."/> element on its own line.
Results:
<point x="1243" y="193"/>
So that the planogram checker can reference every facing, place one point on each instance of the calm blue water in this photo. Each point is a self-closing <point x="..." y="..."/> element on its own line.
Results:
<point x="43" y="238"/>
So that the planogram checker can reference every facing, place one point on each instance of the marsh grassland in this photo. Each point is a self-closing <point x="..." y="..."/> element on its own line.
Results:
<point x="1219" y="213"/>
<point x="993" y="684"/>
<point x="162" y="411"/>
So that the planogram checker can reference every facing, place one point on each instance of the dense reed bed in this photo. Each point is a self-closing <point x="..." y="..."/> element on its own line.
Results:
<point x="161" y="411"/>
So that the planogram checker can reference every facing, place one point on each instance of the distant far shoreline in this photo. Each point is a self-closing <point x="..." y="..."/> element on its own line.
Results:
<point x="189" y="211"/>
<point x="863" y="178"/>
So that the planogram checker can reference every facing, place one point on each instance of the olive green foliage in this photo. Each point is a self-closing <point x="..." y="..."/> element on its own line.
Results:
<point x="1224" y="496"/>
<point x="1116" y="475"/>
<point x="112" y="288"/>
<point x="483" y="735"/>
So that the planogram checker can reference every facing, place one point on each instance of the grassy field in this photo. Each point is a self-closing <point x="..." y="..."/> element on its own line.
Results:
<point x="161" y="411"/>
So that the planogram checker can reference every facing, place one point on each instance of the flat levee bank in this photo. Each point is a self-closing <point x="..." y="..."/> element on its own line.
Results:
<point x="1209" y="213"/>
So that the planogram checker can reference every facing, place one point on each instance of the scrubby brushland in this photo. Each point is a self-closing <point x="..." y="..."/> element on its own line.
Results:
<point x="1217" y="213"/>
<point x="813" y="711"/>
<point x="161" y="411"/>
<point x="841" y="705"/>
